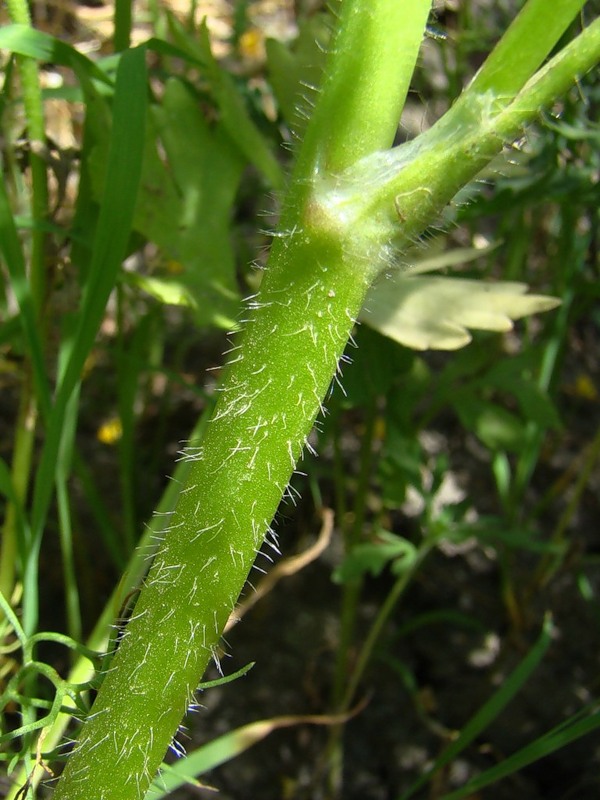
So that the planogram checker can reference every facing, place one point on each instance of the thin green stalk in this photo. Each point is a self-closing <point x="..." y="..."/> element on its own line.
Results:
<point x="34" y="114"/>
<point x="566" y="259"/>
<point x="524" y="47"/>
<point x="20" y="471"/>
<point x="62" y="474"/>
<point x="339" y="477"/>
<point x="351" y="592"/>
<point x="68" y="560"/>
<point x="123" y="19"/>
<point x="517" y="233"/>
<point x="333" y="757"/>
<point x="127" y="378"/>
<point x="82" y="671"/>
<point x="551" y="563"/>
<point x="384" y="613"/>
<point x="27" y="416"/>
<point x="352" y="589"/>
<point x="421" y="174"/>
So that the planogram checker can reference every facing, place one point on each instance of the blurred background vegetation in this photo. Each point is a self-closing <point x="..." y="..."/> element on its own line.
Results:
<point x="464" y="484"/>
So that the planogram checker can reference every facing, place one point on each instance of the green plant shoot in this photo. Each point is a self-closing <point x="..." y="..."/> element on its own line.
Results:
<point x="353" y="204"/>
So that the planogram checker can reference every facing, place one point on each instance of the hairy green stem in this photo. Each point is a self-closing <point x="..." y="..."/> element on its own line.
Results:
<point x="525" y="46"/>
<point x="336" y="235"/>
<point x="295" y="332"/>
<point x="365" y="106"/>
<point x="290" y="350"/>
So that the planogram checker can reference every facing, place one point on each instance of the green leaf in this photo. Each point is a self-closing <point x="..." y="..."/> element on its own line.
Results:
<point x="206" y="168"/>
<point x="375" y="556"/>
<point x="26" y="41"/>
<point x="168" y="292"/>
<point x="435" y="313"/>
<point x="509" y="375"/>
<point x="234" y="115"/>
<point x="376" y="365"/>
<point x="497" y="428"/>
<point x="185" y="204"/>
<point x="491" y="709"/>
<point x="293" y="68"/>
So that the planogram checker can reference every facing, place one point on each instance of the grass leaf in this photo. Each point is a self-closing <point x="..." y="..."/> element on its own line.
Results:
<point x="491" y="709"/>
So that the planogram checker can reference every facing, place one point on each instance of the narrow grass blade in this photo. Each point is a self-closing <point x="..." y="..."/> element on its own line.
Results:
<point x="12" y="253"/>
<point x="559" y="737"/>
<point x="490" y="710"/>
<point x="23" y="530"/>
<point x="225" y="748"/>
<point x="116" y="212"/>
<point x="110" y="243"/>
<point x="63" y="500"/>
<point x="26" y="41"/>
<point x="123" y="17"/>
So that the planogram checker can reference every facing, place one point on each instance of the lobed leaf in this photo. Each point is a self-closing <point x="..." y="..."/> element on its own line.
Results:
<point x="436" y="312"/>
<point x="294" y="69"/>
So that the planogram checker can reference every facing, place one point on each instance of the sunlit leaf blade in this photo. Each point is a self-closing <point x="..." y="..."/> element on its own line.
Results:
<point x="225" y="748"/>
<point x="233" y="113"/>
<point x="185" y="204"/>
<point x="26" y="41"/>
<point x="206" y="171"/>
<point x="436" y="312"/>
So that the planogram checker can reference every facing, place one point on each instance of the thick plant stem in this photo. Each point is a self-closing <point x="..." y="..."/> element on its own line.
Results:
<point x="292" y="344"/>
<point x="367" y="80"/>
<point x="336" y="234"/>
<point x="319" y="271"/>
<point x="242" y="469"/>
